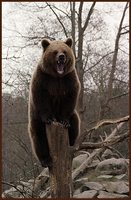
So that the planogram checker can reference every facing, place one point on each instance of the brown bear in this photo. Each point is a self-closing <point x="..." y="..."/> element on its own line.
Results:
<point x="53" y="95"/>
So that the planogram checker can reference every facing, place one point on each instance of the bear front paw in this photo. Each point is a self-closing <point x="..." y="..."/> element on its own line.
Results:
<point x="50" y="120"/>
<point x="65" y="123"/>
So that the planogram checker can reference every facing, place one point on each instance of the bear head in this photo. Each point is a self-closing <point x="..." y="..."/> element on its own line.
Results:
<point x="58" y="57"/>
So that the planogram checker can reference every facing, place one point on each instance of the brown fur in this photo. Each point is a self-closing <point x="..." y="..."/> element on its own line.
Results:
<point x="53" y="96"/>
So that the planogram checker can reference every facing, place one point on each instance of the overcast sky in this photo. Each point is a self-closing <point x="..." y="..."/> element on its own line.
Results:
<point x="112" y="19"/>
<point x="20" y="20"/>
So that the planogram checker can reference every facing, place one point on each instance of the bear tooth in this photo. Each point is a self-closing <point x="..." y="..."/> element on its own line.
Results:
<point x="60" y="72"/>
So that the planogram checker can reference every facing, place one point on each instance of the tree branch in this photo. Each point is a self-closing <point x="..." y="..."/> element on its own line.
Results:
<point x="98" y="125"/>
<point x="99" y="61"/>
<point x="111" y="77"/>
<point x="80" y="13"/>
<point x="61" y="11"/>
<point x="95" y="153"/>
<point x="14" y="186"/>
<point x="88" y="16"/>
<point x="73" y="28"/>
<point x="118" y="96"/>
<point x="124" y="32"/>
<point x="64" y="29"/>
<point x="113" y="141"/>
<point x="116" y="151"/>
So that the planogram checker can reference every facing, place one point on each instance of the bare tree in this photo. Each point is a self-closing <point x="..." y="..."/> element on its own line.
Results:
<point x="105" y="102"/>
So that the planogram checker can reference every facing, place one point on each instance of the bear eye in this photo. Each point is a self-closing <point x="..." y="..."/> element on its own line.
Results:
<point x="64" y="52"/>
<point x="55" y="52"/>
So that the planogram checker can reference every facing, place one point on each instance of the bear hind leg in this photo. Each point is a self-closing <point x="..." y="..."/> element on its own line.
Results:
<point x="39" y="142"/>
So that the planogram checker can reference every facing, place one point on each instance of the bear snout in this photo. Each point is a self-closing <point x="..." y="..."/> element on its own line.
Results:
<point x="61" y="58"/>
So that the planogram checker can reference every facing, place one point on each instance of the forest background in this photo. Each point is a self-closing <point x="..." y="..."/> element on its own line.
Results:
<point x="100" y="31"/>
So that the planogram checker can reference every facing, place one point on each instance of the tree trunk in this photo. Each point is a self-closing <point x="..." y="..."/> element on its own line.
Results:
<point x="79" y="66"/>
<point x="60" y="173"/>
<point x="105" y="104"/>
<point x="73" y="29"/>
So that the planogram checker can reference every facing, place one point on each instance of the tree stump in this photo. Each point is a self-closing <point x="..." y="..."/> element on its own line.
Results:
<point x="60" y="151"/>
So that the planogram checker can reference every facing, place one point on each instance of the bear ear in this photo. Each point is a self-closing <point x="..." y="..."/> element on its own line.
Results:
<point x="69" y="42"/>
<point x="45" y="43"/>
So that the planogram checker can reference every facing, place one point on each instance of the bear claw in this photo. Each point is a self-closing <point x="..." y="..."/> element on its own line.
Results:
<point x="65" y="123"/>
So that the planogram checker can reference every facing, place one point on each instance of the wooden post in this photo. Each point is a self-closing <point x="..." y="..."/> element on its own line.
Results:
<point x="61" y="171"/>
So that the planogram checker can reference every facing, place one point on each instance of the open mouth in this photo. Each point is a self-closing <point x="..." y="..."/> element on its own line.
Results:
<point x="60" y="67"/>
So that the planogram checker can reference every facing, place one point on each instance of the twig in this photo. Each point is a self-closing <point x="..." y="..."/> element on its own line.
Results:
<point x="58" y="18"/>
<point x="14" y="186"/>
<point x="113" y="141"/>
<point x="116" y="151"/>
<point x="117" y="96"/>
